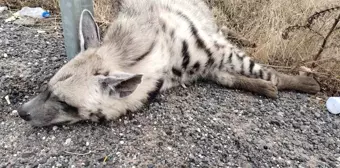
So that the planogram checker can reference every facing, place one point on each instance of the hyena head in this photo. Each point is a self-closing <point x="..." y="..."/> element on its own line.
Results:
<point x="80" y="89"/>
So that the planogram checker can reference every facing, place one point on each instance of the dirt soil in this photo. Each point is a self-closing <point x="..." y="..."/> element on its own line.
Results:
<point x="204" y="125"/>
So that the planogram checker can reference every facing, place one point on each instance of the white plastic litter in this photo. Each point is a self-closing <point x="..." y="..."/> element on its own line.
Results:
<point x="7" y="100"/>
<point x="3" y="8"/>
<point x="333" y="105"/>
<point x="33" y="12"/>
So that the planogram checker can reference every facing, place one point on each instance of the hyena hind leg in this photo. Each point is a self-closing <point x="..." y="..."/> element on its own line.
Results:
<point x="304" y="84"/>
<point x="235" y="81"/>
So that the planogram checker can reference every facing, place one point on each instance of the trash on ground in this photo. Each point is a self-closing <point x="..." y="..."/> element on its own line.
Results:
<point x="7" y="100"/>
<point x="33" y="12"/>
<point x="29" y="12"/>
<point x="3" y="8"/>
<point x="333" y="105"/>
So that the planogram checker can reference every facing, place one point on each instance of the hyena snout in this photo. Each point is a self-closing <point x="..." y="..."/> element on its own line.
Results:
<point x="24" y="113"/>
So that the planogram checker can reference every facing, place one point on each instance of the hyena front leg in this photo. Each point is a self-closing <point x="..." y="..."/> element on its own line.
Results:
<point x="258" y="86"/>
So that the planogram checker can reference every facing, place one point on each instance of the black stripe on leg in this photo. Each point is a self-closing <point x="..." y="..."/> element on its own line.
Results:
<point x="269" y="76"/>
<point x="185" y="55"/>
<point x="242" y="69"/>
<point x="172" y="34"/>
<point x="251" y="66"/>
<point x="176" y="72"/>
<point x="164" y="28"/>
<point x="197" y="66"/>
<point x="221" y="63"/>
<point x="240" y="58"/>
<point x="210" y="62"/>
<point x="152" y="94"/>
<point x="230" y="58"/>
<point x="261" y="73"/>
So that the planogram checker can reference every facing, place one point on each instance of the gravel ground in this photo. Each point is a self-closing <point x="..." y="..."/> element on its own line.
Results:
<point x="204" y="125"/>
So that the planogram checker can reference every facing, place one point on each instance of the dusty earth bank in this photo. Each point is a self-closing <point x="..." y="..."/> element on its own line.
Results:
<point x="204" y="125"/>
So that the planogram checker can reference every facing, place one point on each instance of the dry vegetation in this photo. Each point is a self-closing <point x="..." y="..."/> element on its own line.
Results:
<point x="265" y="23"/>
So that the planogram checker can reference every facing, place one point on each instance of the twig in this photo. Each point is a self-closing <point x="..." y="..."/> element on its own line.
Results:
<point x="79" y="154"/>
<point x="317" y="56"/>
<point x="316" y="15"/>
<point x="322" y="61"/>
<point x="279" y="67"/>
<point x="310" y="22"/>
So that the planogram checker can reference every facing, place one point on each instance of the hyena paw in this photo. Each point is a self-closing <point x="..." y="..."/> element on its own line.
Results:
<point x="268" y="89"/>
<point x="308" y="84"/>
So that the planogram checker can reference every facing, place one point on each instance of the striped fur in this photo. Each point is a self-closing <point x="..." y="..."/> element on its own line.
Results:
<point x="152" y="45"/>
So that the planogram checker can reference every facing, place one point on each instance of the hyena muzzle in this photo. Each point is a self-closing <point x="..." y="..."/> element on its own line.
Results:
<point x="152" y="45"/>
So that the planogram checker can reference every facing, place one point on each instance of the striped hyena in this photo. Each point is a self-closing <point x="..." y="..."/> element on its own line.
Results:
<point x="152" y="45"/>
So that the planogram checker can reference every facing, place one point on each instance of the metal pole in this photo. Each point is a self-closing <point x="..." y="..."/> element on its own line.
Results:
<point x="70" y="15"/>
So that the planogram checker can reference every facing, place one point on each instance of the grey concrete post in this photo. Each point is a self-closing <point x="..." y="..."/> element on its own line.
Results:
<point x="70" y="14"/>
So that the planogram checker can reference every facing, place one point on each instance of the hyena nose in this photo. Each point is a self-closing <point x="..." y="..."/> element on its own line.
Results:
<point x="24" y="114"/>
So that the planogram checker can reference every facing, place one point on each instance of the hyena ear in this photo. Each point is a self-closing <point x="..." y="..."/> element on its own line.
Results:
<point x="89" y="35"/>
<point x="120" y="85"/>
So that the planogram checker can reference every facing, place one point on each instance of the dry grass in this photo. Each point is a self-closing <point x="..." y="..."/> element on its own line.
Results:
<point x="263" y="22"/>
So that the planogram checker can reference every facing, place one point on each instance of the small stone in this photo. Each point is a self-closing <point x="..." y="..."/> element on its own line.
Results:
<point x="87" y="143"/>
<point x="54" y="128"/>
<point x="27" y="155"/>
<point x="41" y="31"/>
<point x="317" y="115"/>
<point x="68" y="141"/>
<point x="14" y="112"/>
<point x="169" y="148"/>
<point x="58" y="164"/>
<point x="5" y="55"/>
<point x="121" y="142"/>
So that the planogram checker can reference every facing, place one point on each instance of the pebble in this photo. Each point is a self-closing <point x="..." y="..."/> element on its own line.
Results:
<point x="68" y="141"/>
<point x="54" y="128"/>
<point x="14" y="113"/>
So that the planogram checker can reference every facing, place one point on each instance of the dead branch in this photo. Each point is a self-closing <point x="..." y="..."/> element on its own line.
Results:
<point x="325" y="40"/>
<point x="310" y="22"/>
